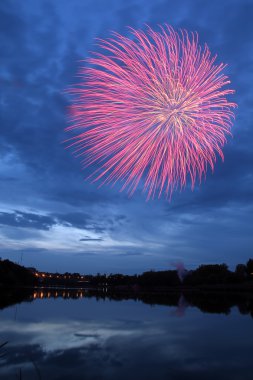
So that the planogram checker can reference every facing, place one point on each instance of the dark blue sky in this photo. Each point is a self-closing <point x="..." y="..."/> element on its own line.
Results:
<point x="53" y="219"/>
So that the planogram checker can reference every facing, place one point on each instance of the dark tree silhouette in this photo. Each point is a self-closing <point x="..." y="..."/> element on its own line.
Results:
<point x="249" y="267"/>
<point x="209" y="274"/>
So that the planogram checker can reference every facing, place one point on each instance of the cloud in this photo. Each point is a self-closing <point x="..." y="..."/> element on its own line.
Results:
<point x="76" y="220"/>
<point x="27" y="220"/>
<point x="91" y="239"/>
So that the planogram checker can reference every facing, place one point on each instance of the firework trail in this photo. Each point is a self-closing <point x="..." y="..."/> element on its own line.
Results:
<point x="151" y="109"/>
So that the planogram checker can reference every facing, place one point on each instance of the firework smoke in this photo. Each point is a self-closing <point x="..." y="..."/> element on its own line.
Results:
<point x="181" y="271"/>
<point x="151" y="109"/>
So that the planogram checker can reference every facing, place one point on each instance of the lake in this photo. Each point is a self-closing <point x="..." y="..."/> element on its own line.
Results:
<point x="70" y="335"/>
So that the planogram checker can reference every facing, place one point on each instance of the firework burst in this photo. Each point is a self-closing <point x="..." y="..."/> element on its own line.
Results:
<point x="151" y="109"/>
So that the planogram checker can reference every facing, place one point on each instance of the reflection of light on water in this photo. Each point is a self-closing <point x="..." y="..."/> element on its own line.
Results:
<point x="40" y="294"/>
<point x="181" y="307"/>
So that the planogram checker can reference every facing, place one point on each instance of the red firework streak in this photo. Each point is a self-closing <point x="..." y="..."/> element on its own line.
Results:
<point x="151" y="110"/>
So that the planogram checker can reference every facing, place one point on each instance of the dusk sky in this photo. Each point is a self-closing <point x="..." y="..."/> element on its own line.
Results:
<point x="52" y="219"/>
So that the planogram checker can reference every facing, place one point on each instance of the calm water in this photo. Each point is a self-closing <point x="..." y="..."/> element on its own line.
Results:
<point x="91" y="338"/>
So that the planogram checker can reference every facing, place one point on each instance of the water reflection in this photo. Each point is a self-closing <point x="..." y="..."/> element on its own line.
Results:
<point x="206" y="301"/>
<point x="82" y="334"/>
<point x="181" y="306"/>
<point x="55" y="293"/>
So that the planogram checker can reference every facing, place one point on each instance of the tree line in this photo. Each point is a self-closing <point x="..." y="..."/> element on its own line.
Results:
<point x="212" y="274"/>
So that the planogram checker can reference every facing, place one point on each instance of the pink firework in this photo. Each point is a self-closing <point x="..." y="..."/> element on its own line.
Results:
<point x="151" y="110"/>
